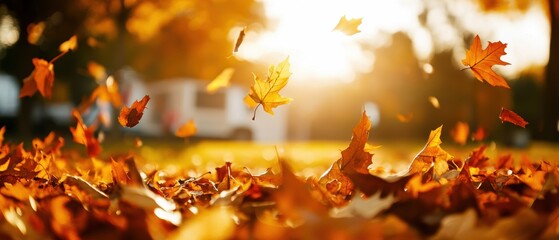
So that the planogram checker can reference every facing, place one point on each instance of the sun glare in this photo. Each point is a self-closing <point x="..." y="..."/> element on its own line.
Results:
<point x="303" y="30"/>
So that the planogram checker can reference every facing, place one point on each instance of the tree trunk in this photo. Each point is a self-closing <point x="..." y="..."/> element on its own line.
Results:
<point x="551" y="83"/>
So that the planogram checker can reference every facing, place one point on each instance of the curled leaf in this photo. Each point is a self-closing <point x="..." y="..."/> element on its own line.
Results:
<point x="130" y="117"/>
<point x="511" y="117"/>
<point x="240" y="39"/>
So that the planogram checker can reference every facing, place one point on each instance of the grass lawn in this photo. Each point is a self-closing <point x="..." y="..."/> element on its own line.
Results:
<point x="309" y="158"/>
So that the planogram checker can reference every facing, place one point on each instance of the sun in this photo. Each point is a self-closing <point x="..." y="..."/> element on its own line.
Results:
<point x="303" y="30"/>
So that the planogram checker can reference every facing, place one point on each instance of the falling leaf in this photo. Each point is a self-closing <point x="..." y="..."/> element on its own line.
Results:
<point x="404" y="118"/>
<point x="481" y="60"/>
<point x="85" y="136"/>
<point x="511" y="117"/>
<point x="348" y="26"/>
<point x="138" y="142"/>
<point x="434" y="101"/>
<point x="130" y="117"/>
<point x="188" y="129"/>
<point x="35" y="32"/>
<point x="460" y="132"/>
<point x="96" y="70"/>
<point x="42" y="79"/>
<point x="240" y="39"/>
<point x="479" y="134"/>
<point x="70" y="45"/>
<point x="221" y="81"/>
<point x="431" y="154"/>
<point x="266" y="92"/>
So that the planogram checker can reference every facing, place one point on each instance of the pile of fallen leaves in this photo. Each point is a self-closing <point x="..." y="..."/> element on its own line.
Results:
<point x="47" y="194"/>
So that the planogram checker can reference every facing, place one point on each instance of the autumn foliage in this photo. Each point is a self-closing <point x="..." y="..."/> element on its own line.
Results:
<point x="45" y="192"/>
<point x="53" y="193"/>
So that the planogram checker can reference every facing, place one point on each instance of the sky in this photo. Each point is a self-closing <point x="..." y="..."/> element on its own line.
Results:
<point x="302" y="30"/>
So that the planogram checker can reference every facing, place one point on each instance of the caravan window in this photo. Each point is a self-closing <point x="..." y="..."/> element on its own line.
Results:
<point x="206" y="100"/>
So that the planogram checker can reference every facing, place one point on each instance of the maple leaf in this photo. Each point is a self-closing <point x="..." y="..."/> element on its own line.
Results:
<point x="481" y="60"/>
<point x="221" y="81"/>
<point x="266" y="92"/>
<point x="69" y="45"/>
<point x="85" y="136"/>
<point x="42" y="79"/>
<point x="187" y="129"/>
<point x="348" y="26"/>
<point x="130" y="117"/>
<point x="431" y="155"/>
<point x="511" y="117"/>
<point x="354" y="157"/>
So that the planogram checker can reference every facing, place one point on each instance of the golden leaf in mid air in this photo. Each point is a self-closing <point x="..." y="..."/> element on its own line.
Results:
<point x="221" y="81"/>
<point x="348" y="26"/>
<point x="265" y="92"/>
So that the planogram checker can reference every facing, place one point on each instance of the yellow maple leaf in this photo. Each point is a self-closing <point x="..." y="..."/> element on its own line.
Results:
<point x="221" y="81"/>
<point x="265" y="92"/>
<point x="348" y="26"/>
<point x="432" y="155"/>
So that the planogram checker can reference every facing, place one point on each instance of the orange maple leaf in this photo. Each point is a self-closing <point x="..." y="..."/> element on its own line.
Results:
<point x="187" y="129"/>
<point x="354" y="157"/>
<point x="265" y="92"/>
<point x="85" y="136"/>
<point x="348" y="26"/>
<point x="510" y="116"/>
<point x="130" y="117"/>
<point x="42" y="79"/>
<point x="481" y="60"/>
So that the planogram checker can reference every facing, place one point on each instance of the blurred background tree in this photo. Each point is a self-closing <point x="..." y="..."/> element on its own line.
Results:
<point x="171" y="38"/>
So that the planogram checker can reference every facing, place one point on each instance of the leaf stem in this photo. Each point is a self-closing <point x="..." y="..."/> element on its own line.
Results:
<point x="254" y="113"/>
<point x="58" y="56"/>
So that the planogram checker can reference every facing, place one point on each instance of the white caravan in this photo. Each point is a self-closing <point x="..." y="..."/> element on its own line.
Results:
<point x="222" y="114"/>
